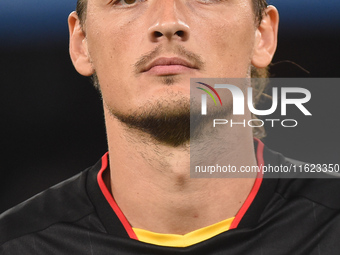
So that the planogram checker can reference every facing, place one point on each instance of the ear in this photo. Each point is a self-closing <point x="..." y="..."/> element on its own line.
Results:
<point x="78" y="46"/>
<point x="266" y="38"/>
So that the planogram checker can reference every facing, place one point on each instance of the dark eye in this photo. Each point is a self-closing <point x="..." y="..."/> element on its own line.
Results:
<point x="129" y="1"/>
<point x="125" y="2"/>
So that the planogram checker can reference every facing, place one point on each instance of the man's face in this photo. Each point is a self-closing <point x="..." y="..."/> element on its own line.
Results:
<point x="145" y="52"/>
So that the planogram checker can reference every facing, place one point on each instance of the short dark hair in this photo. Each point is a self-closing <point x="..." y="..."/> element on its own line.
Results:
<point x="259" y="7"/>
<point x="81" y="10"/>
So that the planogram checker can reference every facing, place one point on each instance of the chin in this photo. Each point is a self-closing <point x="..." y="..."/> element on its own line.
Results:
<point x="166" y="120"/>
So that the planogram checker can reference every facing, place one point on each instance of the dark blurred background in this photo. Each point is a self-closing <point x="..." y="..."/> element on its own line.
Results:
<point x="52" y="123"/>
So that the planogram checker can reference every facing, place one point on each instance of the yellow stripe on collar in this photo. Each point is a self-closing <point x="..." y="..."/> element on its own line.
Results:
<point x="191" y="238"/>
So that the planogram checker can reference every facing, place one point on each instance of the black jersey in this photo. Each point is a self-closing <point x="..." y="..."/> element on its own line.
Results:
<point x="286" y="216"/>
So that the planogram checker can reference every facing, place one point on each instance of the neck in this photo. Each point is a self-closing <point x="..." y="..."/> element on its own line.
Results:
<point x="151" y="182"/>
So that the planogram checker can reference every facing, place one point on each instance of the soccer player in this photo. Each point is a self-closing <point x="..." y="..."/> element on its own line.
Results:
<point x="139" y="198"/>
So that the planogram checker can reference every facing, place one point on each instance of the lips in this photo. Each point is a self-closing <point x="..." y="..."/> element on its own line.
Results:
<point x="169" y="66"/>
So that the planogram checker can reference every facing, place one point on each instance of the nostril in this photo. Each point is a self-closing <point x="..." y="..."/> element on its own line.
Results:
<point x="180" y="33"/>
<point x="157" y="34"/>
<point x="169" y="32"/>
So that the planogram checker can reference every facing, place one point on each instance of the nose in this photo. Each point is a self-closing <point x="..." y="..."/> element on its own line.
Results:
<point x="169" y="22"/>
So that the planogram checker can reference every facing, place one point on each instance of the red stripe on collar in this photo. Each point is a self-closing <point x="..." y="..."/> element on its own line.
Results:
<point x="110" y="199"/>
<point x="256" y="187"/>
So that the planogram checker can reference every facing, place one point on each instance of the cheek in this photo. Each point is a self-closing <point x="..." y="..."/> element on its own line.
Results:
<point x="230" y="45"/>
<point x="112" y="54"/>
